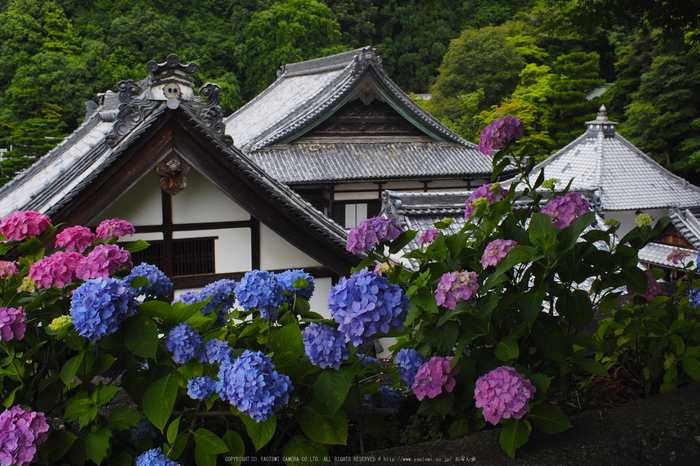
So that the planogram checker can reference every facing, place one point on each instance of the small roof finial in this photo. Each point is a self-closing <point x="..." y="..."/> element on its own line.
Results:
<point x="171" y="81"/>
<point x="601" y="123"/>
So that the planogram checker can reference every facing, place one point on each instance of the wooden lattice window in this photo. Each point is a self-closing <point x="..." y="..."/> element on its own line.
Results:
<point x="191" y="256"/>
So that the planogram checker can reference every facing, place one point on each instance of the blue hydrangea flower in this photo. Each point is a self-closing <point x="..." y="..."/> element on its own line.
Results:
<point x="160" y="285"/>
<point x="222" y="293"/>
<point x="154" y="457"/>
<point x="184" y="342"/>
<point x="364" y="360"/>
<point x="201" y="388"/>
<point x="99" y="306"/>
<point x="215" y="351"/>
<point x="287" y="279"/>
<point x="386" y="397"/>
<point x="253" y="386"/>
<point x="409" y="360"/>
<point x="141" y="430"/>
<point x="365" y="305"/>
<point x="325" y="346"/>
<point x="188" y="297"/>
<point x="261" y="290"/>
<point x="694" y="297"/>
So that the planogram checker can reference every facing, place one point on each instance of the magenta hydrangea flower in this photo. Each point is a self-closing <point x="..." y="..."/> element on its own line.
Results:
<point x="496" y="250"/>
<point x="454" y="286"/>
<point x="13" y="323"/>
<point x="500" y="131"/>
<point x="59" y="269"/>
<point x="20" y="225"/>
<point x="427" y="237"/>
<point x="371" y="232"/>
<point x="491" y="192"/>
<point x="433" y="376"/>
<point x="21" y="433"/>
<point x="75" y="238"/>
<point x="565" y="210"/>
<point x="7" y="269"/>
<point x="103" y="261"/>
<point x="676" y="256"/>
<point x="383" y="268"/>
<point x="503" y="393"/>
<point x="653" y="288"/>
<point x="114" y="228"/>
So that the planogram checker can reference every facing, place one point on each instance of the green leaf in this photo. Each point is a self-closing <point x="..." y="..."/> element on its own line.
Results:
<point x="517" y="255"/>
<point x="541" y="231"/>
<point x="209" y="442"/>
<point x="442" y="403"/>
<point x="577" y="308"/>
<point x="331" y="388"/>
<point x="403" y="239"/>
<point x="446" y="336"/>
<point x="541" y="383"/>
<point x="159" y="399"/>
<point x="302" y="451"/>
<point x="141" y="336"/>
<point x="138" y="282"/>
<point x="636" y="279"/>
<point x="288" y="340"/>
<point x="260" y="432"/>
<point x="178" y="447"/>
<point x="592" y="366"/>
<point x="514" y="435"/>
<point x="56" y="445"/>
<point x="70" y="368"/>
<point x="123" y="417"/>
<point x="105" y="393"/>
<point x="486" y="305"/>
<point x="550" y="341"/>
<point x="136" y="246"/>
<point x="531" y="305"/>
<point x="97" y="444"/>
<point x="173" y="429"/>
<point x="508" y="348"/>
<point x="569" y="235"/>
<point x="691" y="366"/>
<point x="458" y="428"/>
<point x="549" y="419"/>
<point x="236" y="447"/>
<point x="154" y="308"/>
<point x="322" y="428"/>
<point x="32" y="249"/>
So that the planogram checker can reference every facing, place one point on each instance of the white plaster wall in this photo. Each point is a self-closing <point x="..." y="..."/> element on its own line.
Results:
<point x="277" y="253"/>
<point x="358" y="196"/>
<point x="232" y="247"/>
<point x="141" y="205"/>
<point x="399" y="185"/>
<point x="447" y="185"/>
<point x="201" y="201"/>
<point x="357" y="187"/>
<point x="319" y="300"/>
<point x="626" y="218"/>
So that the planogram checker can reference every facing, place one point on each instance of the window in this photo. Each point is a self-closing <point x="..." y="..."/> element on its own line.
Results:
<point x="191" y="256"/>
<point x="354" y="214"/>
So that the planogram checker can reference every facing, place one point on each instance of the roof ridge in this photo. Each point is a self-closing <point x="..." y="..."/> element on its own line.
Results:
<point x="325" y="64"/>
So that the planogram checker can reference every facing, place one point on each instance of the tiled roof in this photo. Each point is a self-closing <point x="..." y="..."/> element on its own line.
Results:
<point x="626" y="179"/>
<point x="655" y="255"/>
<point x="687" y="225"/>
<point x="321" y="161"/>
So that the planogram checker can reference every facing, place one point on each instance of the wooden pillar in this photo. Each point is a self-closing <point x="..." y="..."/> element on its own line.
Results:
<point x="254" y="243"/>
<point x="167" y="203"/>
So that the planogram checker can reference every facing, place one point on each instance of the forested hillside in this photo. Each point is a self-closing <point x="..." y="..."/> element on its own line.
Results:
<point x="480" y="59"/>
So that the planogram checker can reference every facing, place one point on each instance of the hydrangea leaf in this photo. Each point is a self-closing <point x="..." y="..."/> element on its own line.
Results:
<point x="138" y="282"/>
<point x="550" y="341"/>
<point x="136" y="246"/>
<point x="173" y="429"/>
<point x="577" y="308"/>
<point x="209" y="441"/>
<point x="458" y="428"/>
<point x="541" y="383"/>
<point x="159" y="399"/>
<point x="236" y="447"/>
<point x="318" y="426"/>
<point x="301" y="447"/>
<point x="531" y="305"/>
<point x="549" y="419"/>
<point x="97" y="444"/>
<point x="542" y="232"/>
<point x="569" y="236"/>
<point x="288" y="340"/>
<point x="141" y="336"/>
<point x="123" y="417"/>
<point x="56" y="445"/>
<point x="442" y="403"/>
<point x="70" y="368"/>
<point x="691" y="366"/>
<point x="514" y="435"/>
<point x="260" y="432"/>
<point x="332" y="387"/>
<point x="592" y="366"/>
<point x="508" y="348"/>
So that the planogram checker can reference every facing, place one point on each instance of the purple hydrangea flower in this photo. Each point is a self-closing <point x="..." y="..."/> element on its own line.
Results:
<point x="325" y="346"/>
<point x="103" y="261"/>
<point x="364" y="360"/>
<point x="21" y="433"/>
<point x="215" y="351"/>
<point x="144" y="428"/>
<point x="496" y="250"/>
<point x="223" y="297"/>
<point x="154" y="457"/>
<point x="454" y="286"/>
<point x="59" y="269"/>
<point x="188" y="297"/>
<point x="653" y="288"/>
<point x="7" y="269"/>
<point x="491" y="192"/>
<point x="365" y="305"/>
<point x="13" y="323"/>
<point x="287" y="279"/>
<point x="503" y="393"/>
<point x="409" y="360"/>
<point x="159" y="286"/>
<point x="433" y="376"/>
<point x="21" y="225"/>
<point x="184" y="342"/>
<point x="427" y="237"/>
<point x="253" y="386"/>
<point x="114" y="228"/>
<point x="500" y="131"/>
<point x="386" y="397"/>
<point x="75" y="239"/>
<point x="201" y="388"/>
<point x="261" y="290"/>
<point x="677" y="255"/>
<point x="371" y="232"/>
<point x="98" y="307"/>
<point x="565" y="210"/>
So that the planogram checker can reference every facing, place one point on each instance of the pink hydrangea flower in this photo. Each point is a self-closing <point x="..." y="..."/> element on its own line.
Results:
<point x="433" y="376"/>
<point x="491" y="192"/>
<point x="75" y="239"/>
<point x="496" y="250"/>
<point x="7" y="268"/>
<point x="677" y="255"/>
<point x="114" y="228"/>
<point x="383" y="268"/>
<point x="371" y="232"/>
<point x="427" y="237"/>
<point x="565" y="210"/>
<point x="503" y="394"/>
<point x="494" y="135"/>
<point x="59" y="269"/>
<point x="12" y="324"/>
<point x="653" y="288"/>
<point x="21" y="433"/>
<point x="454" y="286"/>
<point x="21" y="225"/>
<point x="103" y="261"/>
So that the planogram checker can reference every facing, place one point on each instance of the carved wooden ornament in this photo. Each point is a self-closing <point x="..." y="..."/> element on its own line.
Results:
<point x="172" y="172"/>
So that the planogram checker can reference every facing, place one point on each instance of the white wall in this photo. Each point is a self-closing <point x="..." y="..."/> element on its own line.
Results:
<point x="141" y="205"/>
<point x="278" y="253"/>
<point x="626" y="218"/>
<point x="201" y="201"/>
